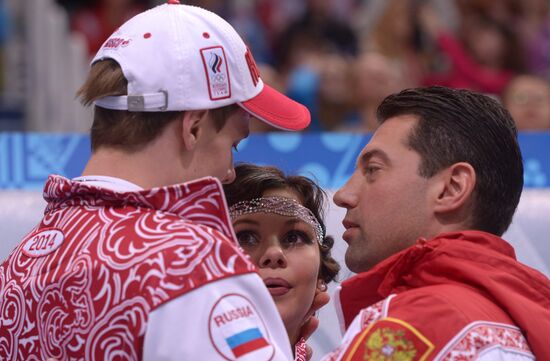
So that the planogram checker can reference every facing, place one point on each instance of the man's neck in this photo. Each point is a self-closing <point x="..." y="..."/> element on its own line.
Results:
<point x="156" y="165"/>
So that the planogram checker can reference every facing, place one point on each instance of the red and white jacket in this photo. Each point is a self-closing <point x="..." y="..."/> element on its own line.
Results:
<point x="461" y="296"/>
<point x="137" y="275"/>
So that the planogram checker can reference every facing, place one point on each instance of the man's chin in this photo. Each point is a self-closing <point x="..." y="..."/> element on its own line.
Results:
<point x="353" y="261"/>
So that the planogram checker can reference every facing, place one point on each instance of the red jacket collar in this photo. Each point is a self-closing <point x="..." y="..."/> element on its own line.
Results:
<point x="392" y="274"/>
<point x="201" y="201"/>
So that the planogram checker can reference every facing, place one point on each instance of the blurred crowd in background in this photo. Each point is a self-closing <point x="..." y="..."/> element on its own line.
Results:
<point x="341" y="58"/>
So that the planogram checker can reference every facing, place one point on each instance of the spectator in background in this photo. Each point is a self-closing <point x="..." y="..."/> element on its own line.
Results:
<point x="527" y="98"/>
<point x="308" y="51"/>
<point x="502" y="11"/>
<point x="391" y="33"/>
<point x="277" y="15"/>
<point x="335" y="93"/>
<point x="302" y="78"/>
<point x="245" y="20"/>
<point x="96" y="23"/>
<point x="485" y="60"/>
<point x="316" y="27"/>
<point x="374" y="77"/>
<point x="323" y="82"/>
<point x="533" y="25"/>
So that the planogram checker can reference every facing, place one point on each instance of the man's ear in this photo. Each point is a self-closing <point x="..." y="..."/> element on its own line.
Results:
<point x="192" y="127"/>
<point x="455" y="187"/>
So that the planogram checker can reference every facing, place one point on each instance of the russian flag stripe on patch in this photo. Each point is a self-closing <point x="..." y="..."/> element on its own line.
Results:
<point x="249" y="347"/>
<point x="246" y="341"/>
<point x="243" y="337"/>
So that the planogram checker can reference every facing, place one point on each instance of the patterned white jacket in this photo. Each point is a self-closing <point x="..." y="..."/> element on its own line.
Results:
<point x="137" y="275"/>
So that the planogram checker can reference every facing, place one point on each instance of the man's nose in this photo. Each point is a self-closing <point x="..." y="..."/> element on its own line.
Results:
<point x="230" y="176"/>
<point x="346" y="196"/>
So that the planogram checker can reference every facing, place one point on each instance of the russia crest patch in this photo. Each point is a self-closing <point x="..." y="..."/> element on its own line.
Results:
<point x="237" y="331"/>
<point x="217" y="72"/>
<point x="389" y="339"/>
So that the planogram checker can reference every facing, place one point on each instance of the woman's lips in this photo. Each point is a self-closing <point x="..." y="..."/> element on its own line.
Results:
<point x="277" y="286"/>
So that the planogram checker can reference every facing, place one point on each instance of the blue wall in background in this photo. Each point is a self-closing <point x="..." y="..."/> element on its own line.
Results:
<point x="26" y="159"/>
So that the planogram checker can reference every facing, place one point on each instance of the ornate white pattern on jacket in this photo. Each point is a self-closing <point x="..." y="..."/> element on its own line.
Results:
<point x="480" y="336"/>
<point x="375" y="312"/>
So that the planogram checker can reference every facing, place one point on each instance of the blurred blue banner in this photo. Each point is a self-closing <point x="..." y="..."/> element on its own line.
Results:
<point x="26" y="159"/>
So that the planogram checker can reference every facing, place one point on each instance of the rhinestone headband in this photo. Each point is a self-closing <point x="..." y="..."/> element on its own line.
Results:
<point x="281" y="206"/>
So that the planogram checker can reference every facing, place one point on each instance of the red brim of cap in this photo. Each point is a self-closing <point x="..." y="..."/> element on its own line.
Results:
<point x="277" y="110"/>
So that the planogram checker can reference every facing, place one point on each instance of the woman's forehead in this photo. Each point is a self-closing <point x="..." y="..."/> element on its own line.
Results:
<point x="265" y="216"/>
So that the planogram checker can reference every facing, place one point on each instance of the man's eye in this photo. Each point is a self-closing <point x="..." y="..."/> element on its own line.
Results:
<point x="371" y="169"/>
<point x="247" y="238"/>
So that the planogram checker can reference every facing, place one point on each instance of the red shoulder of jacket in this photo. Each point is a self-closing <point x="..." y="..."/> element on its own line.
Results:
<point x="441" y="311"/>
<point x="431" y="321"/>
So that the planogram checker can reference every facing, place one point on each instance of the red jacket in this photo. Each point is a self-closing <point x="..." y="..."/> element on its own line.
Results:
<point x="457" y="296"/>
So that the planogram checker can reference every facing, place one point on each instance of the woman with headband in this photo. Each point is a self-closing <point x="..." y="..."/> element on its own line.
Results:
<point x="278" y="222"/>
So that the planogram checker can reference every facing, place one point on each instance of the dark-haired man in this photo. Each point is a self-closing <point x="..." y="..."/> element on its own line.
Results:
<point x="136" y="259"/>
<point x="433" y="191"/>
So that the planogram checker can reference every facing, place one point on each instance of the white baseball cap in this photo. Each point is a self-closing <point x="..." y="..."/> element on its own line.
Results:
<point x="179" y="57"/>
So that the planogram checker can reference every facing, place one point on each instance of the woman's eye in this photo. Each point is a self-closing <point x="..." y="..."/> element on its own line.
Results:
<point x="297" y="237"/>
<point x="247" y="238"/>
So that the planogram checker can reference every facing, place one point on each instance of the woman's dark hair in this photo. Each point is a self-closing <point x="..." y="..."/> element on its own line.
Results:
<point x="252" y="181"/>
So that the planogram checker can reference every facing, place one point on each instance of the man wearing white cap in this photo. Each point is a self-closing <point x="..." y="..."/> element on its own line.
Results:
<point x="137" y="259"/>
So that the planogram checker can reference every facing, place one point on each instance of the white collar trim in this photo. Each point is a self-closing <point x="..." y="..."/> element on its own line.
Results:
<point x="111" y="183"/>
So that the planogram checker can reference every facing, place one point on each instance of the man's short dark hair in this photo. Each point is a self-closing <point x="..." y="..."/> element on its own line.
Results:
<point x="464" y="126"/>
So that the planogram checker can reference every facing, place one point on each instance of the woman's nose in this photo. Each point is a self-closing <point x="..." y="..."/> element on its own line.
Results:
<point x="273" y="257"/>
